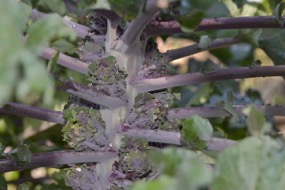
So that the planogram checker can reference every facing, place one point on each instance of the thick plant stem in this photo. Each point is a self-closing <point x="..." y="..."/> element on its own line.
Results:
<point x="145" y="85"/>
<point x="135" y="29"/>
<point x="192" y="49"/>
<point x="57" y="158"/>
<point x="183" y="113"/>
<point x="174" y="138"/>
<point x="157" y="28"/>
<point x="66" y="61"/>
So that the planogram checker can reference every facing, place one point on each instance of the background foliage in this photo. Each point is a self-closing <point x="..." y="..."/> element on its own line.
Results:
<point x="254" y="162"/>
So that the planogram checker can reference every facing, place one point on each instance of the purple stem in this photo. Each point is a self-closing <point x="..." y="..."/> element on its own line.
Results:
<point x="157" y="28"/>
<point x="174" y="138"/>
<point x="56" y="158"/>
<point x="145" y="85"/>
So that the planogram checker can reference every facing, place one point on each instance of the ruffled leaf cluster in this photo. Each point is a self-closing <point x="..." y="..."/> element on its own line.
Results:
<point x="150" y="112"/>
<point x="97" y="24"/>
<point x="107" y="77"/>
<point x="155" y="65"/>
<point x="133" y="163"/>
<point x="81" y="176"/>
<point x="88" y="50"/>
<point x="85" y="129"/>
<point x="20" y="155"/>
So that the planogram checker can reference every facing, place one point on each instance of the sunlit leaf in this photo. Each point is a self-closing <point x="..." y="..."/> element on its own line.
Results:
<point x="256" y="121"/>
<point x="174" y="162"/>
<point x="162" y="183"/>
<point x="254" y="163"/>
<point x="197" y="132"/>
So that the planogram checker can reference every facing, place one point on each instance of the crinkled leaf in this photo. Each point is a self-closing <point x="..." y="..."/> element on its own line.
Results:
<point x="197" y="132"/>
<point x="150" y="111"/>
<point x="20" y="155"/>
<point x="254" y="163"/>
<point x="90" y="51"/>
<point x="154" y="65"/>
<point x="81" y="177"/>
<point x="133" y="163"/>
<point x="85" y="129"/>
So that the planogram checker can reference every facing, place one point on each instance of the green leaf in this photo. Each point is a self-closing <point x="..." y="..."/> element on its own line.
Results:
<point x="3" y="183"/>
<point x="197" y="132"/>
<point x="205" y="42"/>
<point x="128" y="9"/>
<point x="24" y="186"/>
<point x="20" y="155"/>
<point x="278" y="13"/>
<point x="256" y="121"/>
<point x="162" y="183"/>
<point x="254" y="163"/>
<point x="101" y="4"/>
<point x="229" y="105"/>
<point x="250" y="36"/>
<point x="174" y="162"/>
<point x="52" y="62"/>
<point x="52" y="26"/>
<point x="57" y="6"/>
<point x="64" y="46"/>
<point x="273" y="44"/>
<point x="2" y="148"/>
<point x="193" y="11"/>
<point x="232" y="7"/>
<point x="190" y="21"/>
